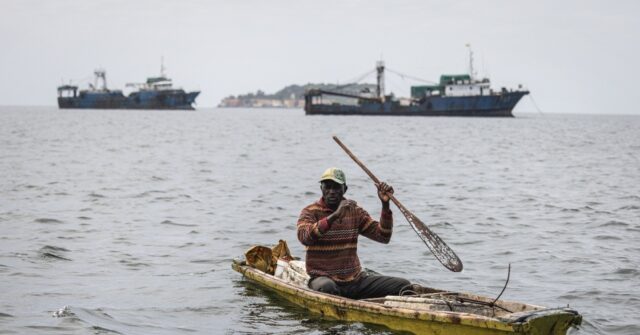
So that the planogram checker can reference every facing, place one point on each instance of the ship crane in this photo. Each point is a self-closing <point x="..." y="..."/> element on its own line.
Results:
<point x="100" y="75"/>
<point x="380" y="95"/>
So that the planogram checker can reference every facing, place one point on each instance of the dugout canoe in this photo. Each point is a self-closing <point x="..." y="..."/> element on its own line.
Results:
<point x="429" y="311"/>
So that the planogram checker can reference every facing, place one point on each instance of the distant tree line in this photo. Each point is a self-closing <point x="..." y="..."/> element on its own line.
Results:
<point x="297" y="91"/>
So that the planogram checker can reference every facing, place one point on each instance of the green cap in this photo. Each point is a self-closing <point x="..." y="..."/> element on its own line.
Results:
<point x="334" y="174"/>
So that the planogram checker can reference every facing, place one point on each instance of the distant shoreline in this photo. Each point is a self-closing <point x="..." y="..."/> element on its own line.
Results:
<point x="291" y="96"/>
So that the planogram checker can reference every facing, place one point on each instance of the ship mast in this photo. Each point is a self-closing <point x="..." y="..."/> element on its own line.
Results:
<point x="380" y="79"/>
<point x="471" y="72"/>
<point x="162" y="68"/>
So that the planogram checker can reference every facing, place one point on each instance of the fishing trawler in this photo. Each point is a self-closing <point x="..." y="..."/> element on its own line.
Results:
<point x="453" y="95"/>
<point x="155" y="93"/>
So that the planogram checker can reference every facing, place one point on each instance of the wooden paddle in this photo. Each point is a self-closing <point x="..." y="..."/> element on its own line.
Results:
<point x="441" y="250"/>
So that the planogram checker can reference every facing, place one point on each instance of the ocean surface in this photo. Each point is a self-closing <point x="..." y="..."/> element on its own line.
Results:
<point x="126" y="222"/>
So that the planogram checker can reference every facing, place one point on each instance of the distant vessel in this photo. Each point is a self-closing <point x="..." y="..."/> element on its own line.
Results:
<point x="155" y="93"/>
<point x="454" y="95"/>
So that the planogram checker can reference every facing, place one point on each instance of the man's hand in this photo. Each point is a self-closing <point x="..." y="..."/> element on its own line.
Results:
<point x="384" y="190"/>
<point x="343" y="208"/>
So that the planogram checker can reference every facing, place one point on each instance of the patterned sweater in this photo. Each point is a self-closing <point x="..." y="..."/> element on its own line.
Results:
<point x="333" y="252"/>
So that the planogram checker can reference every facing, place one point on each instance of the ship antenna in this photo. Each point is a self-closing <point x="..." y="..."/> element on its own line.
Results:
<point x="380" y="79"/>
<point x="471" y="73"/>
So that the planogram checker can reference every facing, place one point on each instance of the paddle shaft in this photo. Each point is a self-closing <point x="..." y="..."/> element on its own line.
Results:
<point x="365" y="169"/>
<point x="441" y="250"/>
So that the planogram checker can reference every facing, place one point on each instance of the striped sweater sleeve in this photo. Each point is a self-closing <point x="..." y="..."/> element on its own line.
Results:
<point x="310" y="229"/>
<point x="377" y="231"/>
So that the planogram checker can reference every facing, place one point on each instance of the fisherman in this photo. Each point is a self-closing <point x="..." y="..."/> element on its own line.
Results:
<point x="329" y="229"/>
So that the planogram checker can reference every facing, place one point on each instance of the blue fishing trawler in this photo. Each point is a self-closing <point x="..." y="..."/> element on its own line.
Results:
<point x="453" y="95"/>
<point x="155" y="93"/>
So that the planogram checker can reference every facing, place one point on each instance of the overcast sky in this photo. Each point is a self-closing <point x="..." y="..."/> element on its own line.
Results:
<point x="574" y="56"/>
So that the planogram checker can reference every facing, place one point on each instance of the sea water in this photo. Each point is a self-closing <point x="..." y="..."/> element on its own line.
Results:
<point x="126" y="221"/>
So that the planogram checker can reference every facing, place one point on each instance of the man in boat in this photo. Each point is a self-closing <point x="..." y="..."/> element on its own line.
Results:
<point x="329" y="228"/>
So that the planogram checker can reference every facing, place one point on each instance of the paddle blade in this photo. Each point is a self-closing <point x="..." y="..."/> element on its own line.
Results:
<point x="441" y="250"/>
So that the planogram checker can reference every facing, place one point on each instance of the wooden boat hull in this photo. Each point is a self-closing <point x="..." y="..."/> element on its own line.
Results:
<point x="543" y="321"/>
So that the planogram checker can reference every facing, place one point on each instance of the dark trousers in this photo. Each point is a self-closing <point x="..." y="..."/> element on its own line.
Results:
<point x="362" y="288"/>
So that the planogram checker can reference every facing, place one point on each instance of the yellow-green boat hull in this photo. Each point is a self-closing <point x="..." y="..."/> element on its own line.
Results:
<point x="416" y="321"/>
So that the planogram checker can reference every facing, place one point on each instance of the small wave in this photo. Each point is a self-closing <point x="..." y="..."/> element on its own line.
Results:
<point x="607" y="238"/>
<point x="96" y="195"/>
<point x="269" y="231"/>
<point x="4" y="315"/>
<point x="442" y="224"/>
<point x="52" y="329"/>
<point x="470" y="242"/>
<point x="66" y="237"/>
<point x="47" y="220"/>
<point x="133" y="264"/>
<point x="627" y="271"/>
<point x="569" y="297"/>
<point x="218" y="238"/>
<point x="25" y="275"/>
<point x="203" y="261"/>
<point x="169" y="198"/>
<point x="53" y="253"/>
<point x="169" y="222"/>
<point x="62" y="312"/>
<point x="28" y="186"/>
<point x="615" y="224"/>
<point x="629" y="208"/>
<point x="100" y="330"/>
<point x="54" y="248"/>
<point x="48" y="255"/>
<point x="84" y="218"/>
<point x="99" y="321"/>
<point x="147" y="193"/>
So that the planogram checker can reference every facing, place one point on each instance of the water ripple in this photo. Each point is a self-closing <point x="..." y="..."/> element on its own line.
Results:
<point x="47" y="220"/>
<point x="53" y="253"/>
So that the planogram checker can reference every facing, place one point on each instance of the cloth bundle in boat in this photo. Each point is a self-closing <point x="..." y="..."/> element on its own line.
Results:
<point x="294" y="272"/>
<point x="266" y="259"/>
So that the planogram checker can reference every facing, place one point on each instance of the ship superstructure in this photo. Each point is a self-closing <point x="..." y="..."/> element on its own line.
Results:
<point x="453" y="95"/>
